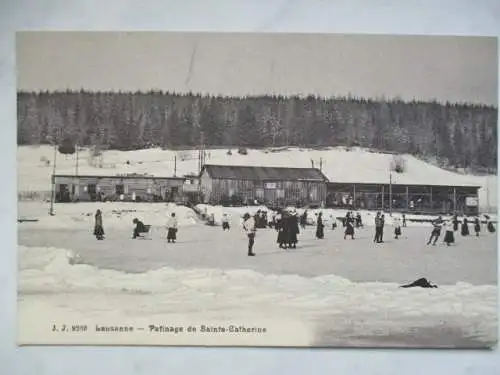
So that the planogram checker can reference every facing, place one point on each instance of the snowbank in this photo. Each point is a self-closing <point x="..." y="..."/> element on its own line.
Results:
<point x="117" y="215"/>
<point x="46" y="278"/>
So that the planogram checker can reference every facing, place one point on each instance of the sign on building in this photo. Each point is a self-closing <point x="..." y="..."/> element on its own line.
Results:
<point x="471" y="201"/>
<point x="270" y="185"/>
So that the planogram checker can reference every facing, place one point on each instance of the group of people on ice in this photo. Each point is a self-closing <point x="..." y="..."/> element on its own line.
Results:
<point x="139" y="228"/>
<point x="452" y="226"/>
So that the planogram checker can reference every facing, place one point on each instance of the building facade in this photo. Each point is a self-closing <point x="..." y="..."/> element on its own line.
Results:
<point x="127" y="188"/>
<point x="236" y="185"/>
<point x="424" y="199"/>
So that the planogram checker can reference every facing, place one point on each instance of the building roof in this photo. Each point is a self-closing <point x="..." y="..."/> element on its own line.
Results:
<point x="146" y="177"/>
<point x="237" y="172"/>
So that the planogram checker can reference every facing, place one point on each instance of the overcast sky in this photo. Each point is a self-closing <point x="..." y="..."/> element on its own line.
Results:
<point x="422" y="67"/>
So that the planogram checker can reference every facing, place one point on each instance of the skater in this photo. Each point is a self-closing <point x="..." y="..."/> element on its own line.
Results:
<point x="225" y="222"/>
<point x="455" y="222"/>
<point x="211" y="220"/>
<point x="465" y="227"/>
<point x="382" y="230"/>
<point x="436" y="231"/>
<point x="98" y="228"/>
<point x="349" y="230"/>
<point x="172" y="228"/>
<point x="449" y="236"/>
<point x="378" y="228"/>
<point x="282" y="228"/>
<point x="303" y="220"/>
<point x="249" y="227"/>
<point x="404" y="221"/>
<point x="334" y="222"/>
<point x="397" y="227"/>
<point x="477" y="226"/>
<point x="489" y="225"/>
<point x="359" y="222"/>
<point x="293" y="229"/>
<point x="320" y="234"/>
<point x="139" y="228"/>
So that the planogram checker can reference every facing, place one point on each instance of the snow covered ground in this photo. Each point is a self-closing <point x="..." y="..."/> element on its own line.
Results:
<point x="330" y="292"/>
<point x="338" y="165"/>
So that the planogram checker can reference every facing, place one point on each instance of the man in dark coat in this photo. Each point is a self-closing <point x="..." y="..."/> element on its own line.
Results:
<point x="455" y="222"/>
<point x="378" y="228"/>
<point x="477" y="226"/>
<point x="465" y="227"/>
<point x="303" y="220"/>
<point x="282" y="228"/>
<point x="98" y="228"/>
<point x="436" y="231"/>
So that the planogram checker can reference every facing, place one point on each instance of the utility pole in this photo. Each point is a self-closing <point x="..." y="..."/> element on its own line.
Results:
<point x="53" y="190"/>
<point x="175" y="165"/>
<point x="76" y="167"/>
<point x="390" y="193"/>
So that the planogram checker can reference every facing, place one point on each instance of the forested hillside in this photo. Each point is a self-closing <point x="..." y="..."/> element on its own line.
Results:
<point x="457" y="135"/>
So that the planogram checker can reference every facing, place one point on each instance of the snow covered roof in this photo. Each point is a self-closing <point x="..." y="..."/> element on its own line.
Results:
<point x="260" y="173"/>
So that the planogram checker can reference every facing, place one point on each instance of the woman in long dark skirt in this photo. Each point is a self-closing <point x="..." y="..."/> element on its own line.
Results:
<point x="477" y="226"/>
<point x="98" y="228"/>
<point x="455" y="222"/>
<point x="449" y="236"/>
<point x="349" y="230"/>
<point x="320" y="234"/>
<point x="293" y="231"/>
<point x="465" y="227"/>
<point x="281" y="227"/>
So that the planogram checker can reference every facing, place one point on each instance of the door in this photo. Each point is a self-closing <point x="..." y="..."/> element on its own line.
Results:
<point x="92" y="191"/>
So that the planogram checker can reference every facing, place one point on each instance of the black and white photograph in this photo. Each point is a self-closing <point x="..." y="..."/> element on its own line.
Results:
<point x="257" y="189"/>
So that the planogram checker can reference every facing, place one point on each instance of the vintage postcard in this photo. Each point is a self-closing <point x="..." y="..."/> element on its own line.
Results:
<point x="210" y="189"/>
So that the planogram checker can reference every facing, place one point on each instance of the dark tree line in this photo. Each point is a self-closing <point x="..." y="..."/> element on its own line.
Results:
<point x="458" y="135"/>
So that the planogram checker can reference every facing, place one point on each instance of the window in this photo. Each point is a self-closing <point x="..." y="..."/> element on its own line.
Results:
<point x="120" y="189"/>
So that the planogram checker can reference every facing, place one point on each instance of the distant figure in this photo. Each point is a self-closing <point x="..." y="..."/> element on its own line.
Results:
<point x="172" y="228"/>
<point x="122" y="197"/>
<point x="293" y="229"/>
<point x="98" y="228"/>
<point x="490" y="226"/>
<point x="455" y="222"/>
<point x="249" y="227"/>
<point x="303" y="220"/>
<point x="225" y="222"/>
<point x="133" y="196"/>
<point x="359" y="222"/>
<point x="320" y="234"/>
<point x="382" y="231"/>
<point x="449" y="236"/>
<point x="404" y="221"/>
<point x="139" y="228"/>
<point x="349" y="230"/>
<point x="397" y="227"/>
<point x="378" y="228"/>
<point x="281" y="227"/>
<point x="211" y="219"/>
<point x="477" y="226"/>
<point x="436" y="231"/>
<point x="465" y="227"/>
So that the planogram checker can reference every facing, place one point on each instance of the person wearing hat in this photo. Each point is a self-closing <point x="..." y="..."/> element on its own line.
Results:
<point x="249" y="227"/>
<point x="320" y="234"/>
<point x="293" y="229"/>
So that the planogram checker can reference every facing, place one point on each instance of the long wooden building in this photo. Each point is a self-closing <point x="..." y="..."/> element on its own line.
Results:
<point x="273" y="186"/>
<point x="69" y="188"/>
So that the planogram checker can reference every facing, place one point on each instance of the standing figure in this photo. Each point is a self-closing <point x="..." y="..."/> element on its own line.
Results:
<point x="359" y="222"/>
<point x="449" y="236"/>
<point x="490" y="226"/>
<point x="320" y="234"/>
<point x="382" y="218"/>
<point x="349" y="230"/>
<point x="404" y="221"/>
<point x="397" y="227"/>
<point x="378" y="228"/>
<point x="172" y="228"/>
<point x="303" y="220"/>
<point x="465" y="227"/>
<point x="293" y="229"/>
<point x="436" y="231"/>
<point x="455" y="222"/>
<point x="477" y="226"/>
<point x="281" y="228"/>
<point x="225" y="222"/>
<point x="334" y="221"/>
<point x="249" y="227"/>
<point x="98" y="228"/>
